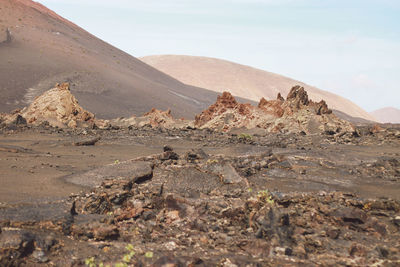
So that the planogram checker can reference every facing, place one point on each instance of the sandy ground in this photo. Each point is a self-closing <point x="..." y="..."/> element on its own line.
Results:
<point x="34" y="162"/>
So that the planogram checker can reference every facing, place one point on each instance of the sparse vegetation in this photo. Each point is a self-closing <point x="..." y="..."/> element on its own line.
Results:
<point x="90" y="262"/>
<point x="126" y="259"/>
<point x="211" y="161"/>
<point x="149" y="254"/>
<point x="265" y="196"/>
<point x="244" y="136"/>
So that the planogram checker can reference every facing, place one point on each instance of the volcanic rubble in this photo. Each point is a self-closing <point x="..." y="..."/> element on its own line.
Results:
<point x="200" y="209"/>
<point x="209" y="209"/>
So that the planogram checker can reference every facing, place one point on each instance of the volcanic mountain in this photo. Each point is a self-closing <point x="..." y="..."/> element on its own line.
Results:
<point x="387" y="115"/>
<point x="243" y="81"/>
<point x="38" y="49"/>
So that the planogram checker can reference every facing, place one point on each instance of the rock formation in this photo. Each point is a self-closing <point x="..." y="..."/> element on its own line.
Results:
<point x="154" y="118"/>
<point x="58" y="107"/>
<point x="295" y="114"/>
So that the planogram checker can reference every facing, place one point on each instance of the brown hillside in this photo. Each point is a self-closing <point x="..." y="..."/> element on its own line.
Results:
<point x="387" y="115"/>
<point x="38" y="48"/>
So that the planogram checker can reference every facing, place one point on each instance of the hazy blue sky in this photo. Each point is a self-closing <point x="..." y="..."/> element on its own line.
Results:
<point x="349" y="47"/>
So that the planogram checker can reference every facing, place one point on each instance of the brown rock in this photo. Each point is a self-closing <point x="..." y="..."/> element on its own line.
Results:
<point x="357" y="250"/>
<point x="224" y="102"/>
<point x="56" y="106"/>
<point x="14" y="245"/>
<point x="298" y="95"/>
<point x="106" y="232"/>
<point x="349" y="215"/>
<point x="96" y="230"/>
<point x="167" y="261"/>
<point x="296" y="114"/>
<point x="87" y="142"/>
<point x="376" y="129"/>
<point x="262" y="102"/>
<point x="157" y="118"/>
<point x="154" y="119"/>
<point x="333" y="233"/>
<point x="322" y="108"/>
<point x="130" y="213"/>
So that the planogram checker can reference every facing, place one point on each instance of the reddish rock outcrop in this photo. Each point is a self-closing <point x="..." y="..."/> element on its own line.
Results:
<point x="298" y="99"/>
<point x="298" y="96"/>
<point x="224" y="102"/>
<point x="295" y="114"/>
<point x="272" y="107"/>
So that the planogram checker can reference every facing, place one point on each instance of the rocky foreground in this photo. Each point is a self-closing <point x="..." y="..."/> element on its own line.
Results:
<point x="233" y="200"/>
<point x="282" y="183"/>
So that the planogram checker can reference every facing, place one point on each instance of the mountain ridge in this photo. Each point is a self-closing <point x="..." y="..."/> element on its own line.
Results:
<point x="387" y="115"/>
<point x="207" y="73"/>
<point x="46" y="49"/>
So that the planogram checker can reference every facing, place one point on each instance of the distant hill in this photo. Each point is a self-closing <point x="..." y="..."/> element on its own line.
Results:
<point x="244" y="81"/>
<point x="387" y="115"/>
<point x="38" y="48"/>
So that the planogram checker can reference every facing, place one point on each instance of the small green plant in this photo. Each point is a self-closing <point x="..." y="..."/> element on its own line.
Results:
<point x="90" y="262"/>
<point x="212" y="161"/>
<point x="149" y="254"/>
<point x="265" y="196"/>
<point x="116" y="161"/>
<point x="126" y="259"/>
<point x="245" y="136"/>
<point x="130" y="249"/>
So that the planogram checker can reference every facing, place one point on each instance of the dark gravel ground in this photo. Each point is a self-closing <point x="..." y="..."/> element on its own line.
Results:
<point x="212" y="199"/>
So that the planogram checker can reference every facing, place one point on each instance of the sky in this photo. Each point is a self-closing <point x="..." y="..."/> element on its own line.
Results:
<point x="348" y="47"/>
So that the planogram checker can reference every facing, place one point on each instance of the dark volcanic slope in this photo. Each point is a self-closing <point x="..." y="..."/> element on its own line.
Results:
<point x="39" y="48"/>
